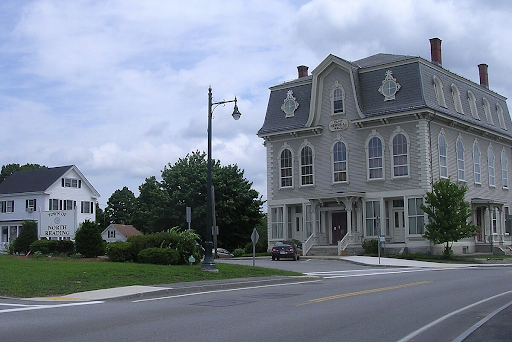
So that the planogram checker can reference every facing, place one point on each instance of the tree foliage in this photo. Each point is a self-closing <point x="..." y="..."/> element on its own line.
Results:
<point x="9" y="169"/>
<point x="121" y="206"/>
<point x="448" y="214"/>
<point x="27" y="236"/>
<point x="88" y="241"/>
<point x="152" y="213"/>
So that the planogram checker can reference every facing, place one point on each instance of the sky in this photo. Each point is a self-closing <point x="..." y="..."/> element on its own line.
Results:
<point x="119" y="88"/>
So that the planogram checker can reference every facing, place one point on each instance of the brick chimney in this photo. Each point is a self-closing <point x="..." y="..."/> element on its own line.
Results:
<point x="303" y="70"/>
<point x="484" y="76"/>
<point x="435" y="51"/>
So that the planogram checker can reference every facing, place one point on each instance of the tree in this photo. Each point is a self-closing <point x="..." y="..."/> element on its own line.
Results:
<point x="121" y="206"/>
<point x="151" y="214"/>
<point x="9" y="169"/>
<point x="88" y="241"/>
<point x="27" y="236"/>
<point x="448" y="214"/>
<point x="237" y="205"/>
<point x="100" y="217"/>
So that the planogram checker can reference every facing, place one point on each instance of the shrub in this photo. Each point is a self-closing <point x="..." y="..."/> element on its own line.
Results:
<point x="65" y="247"/>
<point x="261" y="246"/>
<point x="370" y="246"/>
<point x="44" y="246"/>
<point x="239" y="252"/>
<point x="158" y="256"/>
<point x="88" y="240"/>
<point x="120" y="251"/>
<point x="27" y="236"/>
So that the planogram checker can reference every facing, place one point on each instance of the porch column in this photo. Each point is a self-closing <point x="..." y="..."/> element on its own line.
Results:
<point x="382" y="218"/>
<point x="349" y="221"/>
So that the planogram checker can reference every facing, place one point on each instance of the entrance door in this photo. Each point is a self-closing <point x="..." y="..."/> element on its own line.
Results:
<point x="479" y="219"/>
<point x="339" y="226"/>
<point x="398" y="225"/>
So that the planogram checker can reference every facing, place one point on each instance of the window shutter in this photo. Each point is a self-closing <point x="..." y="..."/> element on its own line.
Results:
<point x="35" y="206"/>
<point x="62" y="182"/>
<point x="26" y="203"/>
<point x="79" y="183"/>
<point x="92" y="207"/>
<point x="60" y="204"/>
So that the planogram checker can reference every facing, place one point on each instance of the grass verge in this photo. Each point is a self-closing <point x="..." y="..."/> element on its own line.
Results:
<point x="30" y="277"/>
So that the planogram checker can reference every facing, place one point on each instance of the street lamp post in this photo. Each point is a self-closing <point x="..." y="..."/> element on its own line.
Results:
<point x="209" y="263"/>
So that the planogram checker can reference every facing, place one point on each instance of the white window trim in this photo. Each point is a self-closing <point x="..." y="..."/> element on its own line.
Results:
<point x="501" y="118"/>
<point x="370" y="136"/>
<point x="337" y="85"/>
<point x="456" y="99"/>
<point x="441" y="134"/>
<point x="302" y="146"/>
<point x="472" y="105"/>
<point x="395" y="133"/>
<point x="438" y="87"/>
<point x="504" y="169"/>
<point x="285" y="147"/>
<point x="493" y="174"/>
<point x="487" y="111"/>
<point x="479" y="159"/>
<point x="346" y="161"/>
<point x="463" y="178"/>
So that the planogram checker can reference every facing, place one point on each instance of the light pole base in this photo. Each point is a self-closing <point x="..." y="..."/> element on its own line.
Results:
<point x="208" y="264"/>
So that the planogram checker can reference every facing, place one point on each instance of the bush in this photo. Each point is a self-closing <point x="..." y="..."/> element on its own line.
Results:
<point x="28" y="235"/>
<point x="44" y="246"/>
<point x="239" y="252"/>
<point x="65" y="247"/>
<point x="159" y="256"/>
<point x="120" y="251"/>
<point x="261" y="246"/>
<point x="88" y="240"/>
<point x="370" y="246"/>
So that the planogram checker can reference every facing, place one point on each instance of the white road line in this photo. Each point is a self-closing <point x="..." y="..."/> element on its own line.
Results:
<point x="445" y="317"/>
<point x="41" y="307"/>
<point x="225" y="290"/>
<point x="17" y="305"/>
<point x="336" y="274"/>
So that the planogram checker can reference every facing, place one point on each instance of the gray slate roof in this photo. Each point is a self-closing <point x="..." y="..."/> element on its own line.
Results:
<point x="32" y="180"/>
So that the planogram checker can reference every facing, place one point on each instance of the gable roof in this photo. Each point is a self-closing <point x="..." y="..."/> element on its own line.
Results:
<point x="126" y="230"/>
<point x="32" y="180"/>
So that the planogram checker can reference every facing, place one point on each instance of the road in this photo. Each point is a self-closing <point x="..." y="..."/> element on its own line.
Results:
<point x="344" y="302"/>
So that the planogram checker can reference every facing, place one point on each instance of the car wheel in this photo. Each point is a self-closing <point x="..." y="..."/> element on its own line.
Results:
<point x="295" y="257"/>
<point x="298" y="257"/>
<point x="278" y="259"/>
<point x="273" y="258"/>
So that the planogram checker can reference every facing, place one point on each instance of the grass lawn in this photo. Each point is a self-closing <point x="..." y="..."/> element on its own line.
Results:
<point x="30" y="277"/>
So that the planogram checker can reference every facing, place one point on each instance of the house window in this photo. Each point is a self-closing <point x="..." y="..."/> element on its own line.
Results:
<point x="69" y="205"/>
<point x="372" y="218"/>
<point x="375" y="159"/>
<point x="111" y="234"/>
<point x="30" y="205"/>
<point x="308" y="220"/>
<point x="456" y="99"/>
<point x="306" y="165"/>
<point x="487" y="111"/>
<point x="460" y="160"/>
<point x="438" y="87"/>
<point x="443" y="164"/>
<point x="501" y="118"/>
<point x="286" y="168"/>
<point x="400" y="156"/>
<point x="277" y="223"/>
<point x="86" y="207"/>
<point x="472" y="105"/>
<point x="491" y="166"/>
<point x="71" y="183"/>
<point x="54" y="204"/>
<point x="508" y="221"/>
<point x="504" y="169"/>
<point x="476" y="163"/>
<point x="416" y="216"/>
<point x="494" y="213"/>
<point x="337" y="99"/>
<point x="339" y="154"/>
<point x="7" y="206"/>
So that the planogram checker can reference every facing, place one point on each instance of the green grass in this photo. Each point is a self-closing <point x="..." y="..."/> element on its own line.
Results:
<point x="31" y="277"/>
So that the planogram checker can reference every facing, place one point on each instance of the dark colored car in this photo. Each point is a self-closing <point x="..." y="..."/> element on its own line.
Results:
<point x="285" y="249"/>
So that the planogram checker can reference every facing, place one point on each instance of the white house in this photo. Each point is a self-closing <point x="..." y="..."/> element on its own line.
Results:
<point x="35" y="194"/>
<point x="353" y="148"/>
<point x="119" y="232"/>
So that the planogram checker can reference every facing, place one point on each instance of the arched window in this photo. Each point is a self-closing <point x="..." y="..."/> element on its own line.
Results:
<point x="339" y="157"/>
<point x="438" y="87"/>
<point x="375" y="159"/>
<point x="472" y="105"/>
<point x="400" y="158"/>
<point x="456" y="99"/>
<point x="306" y="165"/>
<point x="461" y="172"/>
<point x="504" y="169"/>
<point x="286" y="168"/>
<point x="443" y="164"/>
<point x="501" y="118"/>
<point x="491" y="166"/>
<point x="476" y="163"/>
<point x="487" y="111"/>
<point x="337" y="99"/>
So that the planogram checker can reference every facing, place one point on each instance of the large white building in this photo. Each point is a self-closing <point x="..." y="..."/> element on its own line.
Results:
<point x="39" y="194"/>
<point x="353" y="148"/>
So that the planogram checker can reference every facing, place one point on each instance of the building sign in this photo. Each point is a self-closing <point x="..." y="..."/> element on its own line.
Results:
<point x="338" y="125"/>
<point x="57" y="224"/>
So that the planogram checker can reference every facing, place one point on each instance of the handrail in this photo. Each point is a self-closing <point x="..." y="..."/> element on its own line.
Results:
<point x="306" y="246"/>
<point x="343" y="243"/>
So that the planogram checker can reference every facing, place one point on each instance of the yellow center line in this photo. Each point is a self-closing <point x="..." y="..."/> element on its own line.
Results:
<point x="351" y="294"/>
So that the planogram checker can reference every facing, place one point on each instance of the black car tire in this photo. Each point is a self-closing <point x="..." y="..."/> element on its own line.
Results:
<point x="273" y="258"/>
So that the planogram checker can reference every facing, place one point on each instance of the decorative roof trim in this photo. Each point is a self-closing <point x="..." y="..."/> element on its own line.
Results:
<point x="302" y="132"/>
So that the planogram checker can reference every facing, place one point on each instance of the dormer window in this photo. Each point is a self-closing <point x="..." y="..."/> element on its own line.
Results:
<point x="501" y="118"/>
<point x="472" y="105"/>
<point x="337" y="99"/>
<point x="456" y="99"/>
<point x="290" y="104"/>
<point x="487" y="111"/>
<point x="438" y="87"/>
<point x="71" y="183"/>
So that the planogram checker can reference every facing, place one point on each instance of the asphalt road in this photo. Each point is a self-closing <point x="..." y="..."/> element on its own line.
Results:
<point x="344" y="302"/>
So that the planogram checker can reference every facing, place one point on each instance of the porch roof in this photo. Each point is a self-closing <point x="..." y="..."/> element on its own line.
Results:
<point x="486" y="201"/>
<point x="337" y="197"/>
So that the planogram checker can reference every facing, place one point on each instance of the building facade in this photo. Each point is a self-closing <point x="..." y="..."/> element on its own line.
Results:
<point x="35" y="194"/>
<point x="353" y="148"/>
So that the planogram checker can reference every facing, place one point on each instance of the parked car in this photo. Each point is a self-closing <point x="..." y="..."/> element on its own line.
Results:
<point x="223" y="253"/>
<point x="285" y="249"/>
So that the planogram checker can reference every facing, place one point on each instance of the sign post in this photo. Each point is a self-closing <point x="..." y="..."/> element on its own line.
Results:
<point x="189" y="216"/>
<point x="254" y="238"/>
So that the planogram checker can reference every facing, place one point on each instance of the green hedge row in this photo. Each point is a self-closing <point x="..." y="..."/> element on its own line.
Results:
<point x="53" y="247"/>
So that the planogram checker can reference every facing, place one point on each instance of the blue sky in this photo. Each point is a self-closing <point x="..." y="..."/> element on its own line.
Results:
<point x="119" y="87"/>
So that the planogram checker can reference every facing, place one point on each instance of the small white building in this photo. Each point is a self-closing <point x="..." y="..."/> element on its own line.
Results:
<point x="119" y="232"/>
<point x="25" y="195"/>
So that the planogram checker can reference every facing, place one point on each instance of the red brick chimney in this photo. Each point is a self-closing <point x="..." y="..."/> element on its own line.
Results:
<point x="303" y="70"/>
<point x="435" y="51"/>
<point x="484" y="76"/>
